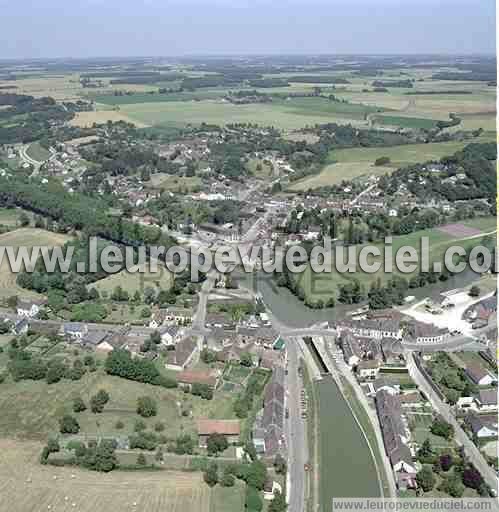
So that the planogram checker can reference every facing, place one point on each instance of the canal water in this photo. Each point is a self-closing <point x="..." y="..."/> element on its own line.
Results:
<point x="346" y="466"/>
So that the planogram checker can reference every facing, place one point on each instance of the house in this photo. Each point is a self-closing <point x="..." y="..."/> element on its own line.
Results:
<point x="351" y="350"/>
<point x="184" y="352"/>
<point x="219" y="320"/>
<point x="179" y="316"/>
<point x="158" y="318"/>
<point x="74" y="330"/>
<point x="368" y="369"/>
<point x="420" y="332"/>
<point x="29" y="308"/>
<point x="479" y="375"/>
<point x="169" y="334"/>
<point x="466" y="402"/>
<point x="395" y="434"/>
<point x="20" y="326"/>
<point x="230" y="429"/>
<point x="268" y="432"/>
<point x="189" y="377"/>
<point x="270" y="487"/>
<point x="269" y="359"/>
<point x="94" y="338"/>
<point x="486" y="400"/>
<point x="392" y="212"/>
<point x="382" y="384"/>
<point x="482" y="426"/>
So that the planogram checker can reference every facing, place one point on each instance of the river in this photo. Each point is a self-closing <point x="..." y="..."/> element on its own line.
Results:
<point x="291" y="311"/>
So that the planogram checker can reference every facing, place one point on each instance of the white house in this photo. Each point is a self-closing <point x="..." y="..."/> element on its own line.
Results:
<point x="169" y="334"/>
<point x="74" y="330"/>
<point x="479" y="375"/>
<point x="28" y="308"/>
<point x="368" y="369"/>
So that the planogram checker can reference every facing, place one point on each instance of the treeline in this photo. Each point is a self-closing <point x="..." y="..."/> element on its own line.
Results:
<point x="318" y="79"/>
<point x="269" y="82"/>
<point x="393" y="83"/>
<point x="149" y="78"/>
<point x="27" y="119"/>
<point x="475" y="161"/>
<point x="79" y="211"/>
<point x="120" y="363"/>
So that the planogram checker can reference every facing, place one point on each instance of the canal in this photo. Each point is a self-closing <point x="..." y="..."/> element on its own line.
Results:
<point x="346" y="468"/>
<point x="292" y="312"/>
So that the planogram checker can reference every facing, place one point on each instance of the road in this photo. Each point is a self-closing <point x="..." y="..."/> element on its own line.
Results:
<point x="296" y="437"/>
<point x="445" y="410"/>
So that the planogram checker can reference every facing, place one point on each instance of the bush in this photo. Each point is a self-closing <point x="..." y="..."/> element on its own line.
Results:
<point x="211" y="475"/>
<point x="383" y="160"/>
<point x="119" y="425"/>
<point x="146" y="407"/>
<point x="68" y="425"/>
<point x="159" y="427"/>
<point x="79" y="405"/>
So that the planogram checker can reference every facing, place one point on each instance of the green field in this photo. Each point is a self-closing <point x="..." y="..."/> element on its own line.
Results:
<point x="135" y="281"/>
<point x="31" y="409"/>
<point x="405" y="122"/>
<point x="420" y="428"/>
<point x="283" y="114"/>
<point x="317" y="286"/>
<point x="347" y="164"/>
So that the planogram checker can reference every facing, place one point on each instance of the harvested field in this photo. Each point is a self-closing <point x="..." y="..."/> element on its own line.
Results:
<point x="87" y="119"/>
<point x="25" y="237"/>
<point x="28" y="486"/>
<point x="458" y="230"/>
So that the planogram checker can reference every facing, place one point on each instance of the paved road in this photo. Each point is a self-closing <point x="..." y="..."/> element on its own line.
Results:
<point x="445" y="410"/>
<point x="295" y="434"/>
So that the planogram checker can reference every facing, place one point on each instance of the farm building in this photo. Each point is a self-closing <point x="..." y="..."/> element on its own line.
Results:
<point x="230" y="429"/>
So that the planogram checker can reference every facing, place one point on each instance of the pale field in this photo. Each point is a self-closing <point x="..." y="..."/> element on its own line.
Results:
<point x="60" y="87"/>
<point x="24" y="237"/>
<point x="27" y="486"/>
<point x="87" y="119"/>
<point x="355" y="162"/>
<point x="217" y="112"/>
<point x="335" y="173"/>
<point x="135" y="281"/>
<point x="165" y="181"/>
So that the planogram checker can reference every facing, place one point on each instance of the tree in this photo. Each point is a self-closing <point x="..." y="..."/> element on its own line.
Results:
<point x="425" y="454"/>
<point x="426" y="479"/>
<point x="68" y="425"/>
<point x="208" y="356"/>
<point x="278" y="504"/>
<point x="246" y="359"/>
<point x="23" y="220"/>
<point x="441" y="428"/>
<point x="12" y="302"/>
<point x="472" y="478"/>
<point x="446" y="461"/>
<point x="98" y="401"/>
<point x="452" y="485"/>
<point x="79" y="405"/>
<point x="141" y="460"/>
<point x="227" y="479"/>
<point x="119" y="425"/>
<point x="382" y="160"/>
<point x="211" y="475"/>
<point x="146" y="407"/>
<point x="216" y="443"/>
<point x="474" y="291"/>
<point x="253" y="501"/>
<point x="257" y="475"/>
<point x="280" y="464"/>
<point x="145" y="312"/>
